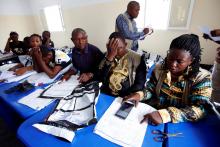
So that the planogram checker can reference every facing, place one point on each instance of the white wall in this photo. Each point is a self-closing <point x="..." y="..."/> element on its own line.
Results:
<point x="15" y="7"/>
<point x="97" y="17"/>
<point x="15" y="15"/>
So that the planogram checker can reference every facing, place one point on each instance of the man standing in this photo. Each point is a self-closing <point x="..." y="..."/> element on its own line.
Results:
<point x="126" y="25"/>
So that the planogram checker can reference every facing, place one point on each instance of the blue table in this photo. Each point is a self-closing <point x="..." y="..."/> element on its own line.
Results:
<point x="30" y="136"/>
<point x="12" y="98"/>
<point x="203" y="133"/>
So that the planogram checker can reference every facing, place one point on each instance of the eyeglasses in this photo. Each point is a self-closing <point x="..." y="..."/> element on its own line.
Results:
<point x="161" y="136"/>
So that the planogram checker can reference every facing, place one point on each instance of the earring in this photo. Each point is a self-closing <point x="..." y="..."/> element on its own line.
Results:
<point x="189" y="69"/>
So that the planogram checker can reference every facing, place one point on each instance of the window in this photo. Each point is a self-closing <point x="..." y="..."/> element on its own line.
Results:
<point x="155" y="13"/>
<point x="54" y="18"/>
<point x="165" y="14"/>
<point x="180" y="14"/>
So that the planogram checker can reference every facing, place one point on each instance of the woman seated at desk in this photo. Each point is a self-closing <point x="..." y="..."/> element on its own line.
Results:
<point x="179" y="88"/>
<point x="122" y="71"/>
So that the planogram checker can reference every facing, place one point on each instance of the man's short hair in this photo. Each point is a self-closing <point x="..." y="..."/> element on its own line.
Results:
<point x="13" y="33"/>
<point x="117" y="35"/>
<point x="36" y="35"/>
<point x="132" y="4"/>
<point x="78" y="30"/>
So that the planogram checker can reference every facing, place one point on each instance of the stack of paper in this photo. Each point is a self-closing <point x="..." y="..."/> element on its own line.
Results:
<point x="5" y="56"/>
<point x="9" y="76"/>
<point x="125" y="132"/>
<point x="43" y="78"/>
<point x="63" y="89"/>
<point x="6" y="67"/>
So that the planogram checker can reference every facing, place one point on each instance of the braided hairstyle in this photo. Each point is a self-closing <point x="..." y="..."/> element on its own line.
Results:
<point x="190" y="43"/>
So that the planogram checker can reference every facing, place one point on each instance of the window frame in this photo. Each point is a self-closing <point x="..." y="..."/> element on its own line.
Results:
<point x="62" y="29"/>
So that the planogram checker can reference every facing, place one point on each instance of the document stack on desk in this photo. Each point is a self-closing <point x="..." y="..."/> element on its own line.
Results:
<point x="124" y="132"/>
<point x="6" y="67"/>
<point x="34" y="101"/>
<point x="41" y="98"/>
<point x="6" y="56"/>
<point x="9" y="76"/>
<point x="61" y="89"/>
<point x="43" y="78"/>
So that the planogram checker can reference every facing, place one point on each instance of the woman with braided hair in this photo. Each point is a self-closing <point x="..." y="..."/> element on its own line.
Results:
<point x="179" y="88"/>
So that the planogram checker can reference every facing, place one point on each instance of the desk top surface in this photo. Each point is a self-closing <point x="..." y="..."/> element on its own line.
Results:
<point x="203" y="133"/>
<point x="30" y="136"/>
<point x="12" y="98"/>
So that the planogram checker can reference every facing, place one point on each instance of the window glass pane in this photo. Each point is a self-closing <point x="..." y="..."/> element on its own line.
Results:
<point x="53" y="18"/>
<point x="180" y="13"/>
<point x="153" y="13"/>
<point x="157" y="13"/>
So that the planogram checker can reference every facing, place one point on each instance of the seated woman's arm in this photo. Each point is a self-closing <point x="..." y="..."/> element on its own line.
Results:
<point x="194" y="111"/>
<point x="51" y="72"/>
<point x="22" y="70"/>
<point x="19" y="65"/>
<point x="200" y="95"/>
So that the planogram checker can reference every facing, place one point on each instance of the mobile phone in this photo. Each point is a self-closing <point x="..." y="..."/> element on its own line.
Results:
<point x="124" y="110"/>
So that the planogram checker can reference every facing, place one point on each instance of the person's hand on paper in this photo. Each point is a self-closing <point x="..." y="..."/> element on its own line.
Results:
<point x="12" y="69"/>
<point x="85" y="77"/>
<point x="134" y="97"/>
<point x="65" y="77"/>
<point x="153" y="118"/>
<point x="20" y="71"/>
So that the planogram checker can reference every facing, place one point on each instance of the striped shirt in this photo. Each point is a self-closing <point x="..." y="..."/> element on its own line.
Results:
<point x="170" y="102"/>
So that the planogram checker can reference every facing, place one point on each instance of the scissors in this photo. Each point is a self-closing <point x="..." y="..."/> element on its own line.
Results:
<point x="163" y="136"/>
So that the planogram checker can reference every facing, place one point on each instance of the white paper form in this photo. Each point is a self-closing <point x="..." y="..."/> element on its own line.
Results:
<point x="63" y="89"/>
<point x="128" y="132"/>
<point x="6" y="67"/>
<point x="9" y="76"/>
<point x="43" y="78"/>
<point x="5" y="55"/>
<point x="34" y="101"/>
<point x="206" y="30"/>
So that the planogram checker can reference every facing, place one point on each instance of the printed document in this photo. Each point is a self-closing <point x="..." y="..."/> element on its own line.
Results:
<point x="43" y="78"/>
<point x="34" y="101"/>
<point x="61" y="89"/>
<point x="9" y="76"/>
<point x="124" y="132"/>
